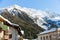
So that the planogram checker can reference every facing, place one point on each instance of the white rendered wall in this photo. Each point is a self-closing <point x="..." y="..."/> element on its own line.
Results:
<point x="14" y="33"/>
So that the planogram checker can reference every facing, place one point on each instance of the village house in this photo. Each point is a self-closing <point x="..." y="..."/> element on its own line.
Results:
<point x="8" y="30"/>
<point x="53" y="34"/>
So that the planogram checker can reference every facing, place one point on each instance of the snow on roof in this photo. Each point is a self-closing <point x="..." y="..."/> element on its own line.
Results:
<point x="47" y="31"/>
<point x="8" y="21"/>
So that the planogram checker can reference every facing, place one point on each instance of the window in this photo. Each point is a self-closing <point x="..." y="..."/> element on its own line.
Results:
<point x="43" y="38"/>
<point x="59" y="36"/>
<point x="50" y="37"/>
<point x="46" y="37"/>
<point x="40" y="38"/>
<point x="0" y="29"/>
<point x="10" y="35"/>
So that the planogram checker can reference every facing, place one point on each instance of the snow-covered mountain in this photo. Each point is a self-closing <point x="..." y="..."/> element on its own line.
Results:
<point x="38" y="16"/>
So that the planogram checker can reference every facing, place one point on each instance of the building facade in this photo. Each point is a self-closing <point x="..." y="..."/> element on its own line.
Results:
<point x="53" y="34"/>
<point x="8" y="30"/>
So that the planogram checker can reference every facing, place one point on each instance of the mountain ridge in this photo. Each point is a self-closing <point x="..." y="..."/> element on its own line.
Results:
<point x="36" y="15"/>
<point x="30" y="20"/>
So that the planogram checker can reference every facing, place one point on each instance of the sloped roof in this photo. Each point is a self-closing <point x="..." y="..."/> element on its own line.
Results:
<point x="48" y="31"/>
<point x="7" y="22"/>
<point x="4" y="19"/>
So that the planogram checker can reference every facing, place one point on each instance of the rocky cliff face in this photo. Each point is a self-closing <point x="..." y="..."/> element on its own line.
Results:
<point x="24" y="21"/>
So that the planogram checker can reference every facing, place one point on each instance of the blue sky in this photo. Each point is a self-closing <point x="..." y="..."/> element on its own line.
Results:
<point x="51" y="5"/>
